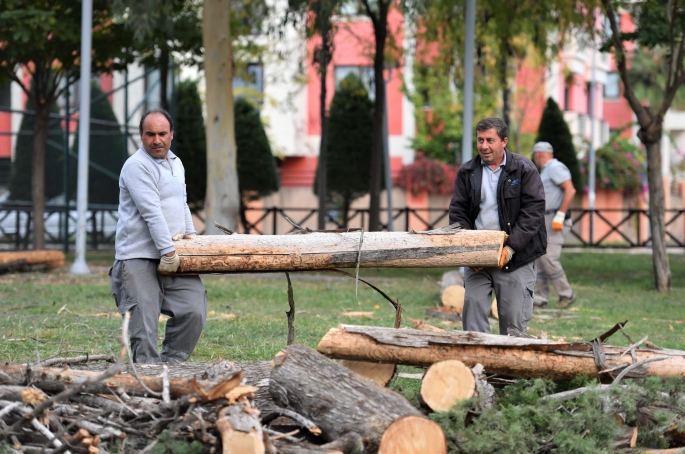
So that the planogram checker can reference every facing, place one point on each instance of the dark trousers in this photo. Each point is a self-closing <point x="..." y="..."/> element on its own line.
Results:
<point x="514" y="291"/>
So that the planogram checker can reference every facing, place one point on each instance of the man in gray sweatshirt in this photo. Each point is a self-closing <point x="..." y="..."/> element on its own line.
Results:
<point x="153" y="213"/>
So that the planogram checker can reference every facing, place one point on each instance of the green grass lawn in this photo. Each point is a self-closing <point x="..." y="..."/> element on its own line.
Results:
<point x="50" y="314"/>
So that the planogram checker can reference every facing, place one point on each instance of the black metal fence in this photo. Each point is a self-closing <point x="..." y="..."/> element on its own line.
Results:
<point x="622" y="228"/>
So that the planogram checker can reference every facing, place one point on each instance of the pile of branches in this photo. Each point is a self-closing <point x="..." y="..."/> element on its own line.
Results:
<point x="60" y="410"/>
<point x="312" y="405"/>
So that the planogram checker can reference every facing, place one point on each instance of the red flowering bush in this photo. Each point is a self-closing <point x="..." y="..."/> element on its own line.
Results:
<point x="429" y="175"/>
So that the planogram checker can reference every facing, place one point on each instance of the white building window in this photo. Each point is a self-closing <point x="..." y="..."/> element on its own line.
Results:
<point x="364" y="73"/>
<point x="612" y="88"/>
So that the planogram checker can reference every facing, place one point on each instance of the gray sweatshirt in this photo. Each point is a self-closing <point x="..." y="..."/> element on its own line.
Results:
<point x="152" y="206"/>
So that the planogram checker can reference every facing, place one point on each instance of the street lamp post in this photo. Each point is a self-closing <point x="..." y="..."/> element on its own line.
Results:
<point x="80" y="266"/>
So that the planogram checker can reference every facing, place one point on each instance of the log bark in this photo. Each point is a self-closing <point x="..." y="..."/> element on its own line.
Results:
<point x="54" y="380"/>
<point x="510" y="356"/>
<point x="378" y="373"/>
<point x="29" y="260"/>
<point x="320" y="251"/>
<point x="21" y="394"/>
<point x="337" y="400"/>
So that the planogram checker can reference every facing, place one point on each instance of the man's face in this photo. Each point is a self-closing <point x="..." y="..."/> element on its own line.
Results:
<point x="157" y="135"/>
<point x="541" y="158"/>
<point x="490" y="146"/>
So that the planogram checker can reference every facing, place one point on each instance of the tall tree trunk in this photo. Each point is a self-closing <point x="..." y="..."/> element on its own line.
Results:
<point x="505" y="53"/>
<point x="322" y="182"/>
<point x="381" y="34"/>
<point x="222" y="201"/>
<point x="163" y="79"/>
<point x="662" y="269"/>
<point x="40" y="135"/>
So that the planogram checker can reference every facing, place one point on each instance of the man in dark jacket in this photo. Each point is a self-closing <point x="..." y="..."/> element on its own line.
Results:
<point x="499" y="190"/>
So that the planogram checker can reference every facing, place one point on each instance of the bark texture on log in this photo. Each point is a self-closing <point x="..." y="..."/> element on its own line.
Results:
<point x="11" y="261"/>
<point x="52" y="379"/>
<point x="256" y="374"/>
<point x="319" y="251"/>
<point x="511" y="356"/>
<point x="336" y="399"/>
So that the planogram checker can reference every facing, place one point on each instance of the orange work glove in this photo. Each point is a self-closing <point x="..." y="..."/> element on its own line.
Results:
<point x="558" y="221"/>
<point x="507" y="254"/>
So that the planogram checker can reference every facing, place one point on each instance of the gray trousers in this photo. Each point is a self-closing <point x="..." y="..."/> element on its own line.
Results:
<point x="514" y="291"/>
<point x="549" y="267"/>
<point x="138" y="288"/>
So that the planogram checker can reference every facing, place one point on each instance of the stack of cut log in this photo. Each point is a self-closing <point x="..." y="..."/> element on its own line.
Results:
<point x="313" y="405"/>
<point x="12" y="262"/>
<point x="456" y="361"/>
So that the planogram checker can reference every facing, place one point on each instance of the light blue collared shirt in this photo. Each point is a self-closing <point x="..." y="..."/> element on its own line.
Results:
<point x="488" y="218"/>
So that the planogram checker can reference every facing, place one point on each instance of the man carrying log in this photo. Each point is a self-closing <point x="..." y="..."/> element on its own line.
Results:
<point x="152" y="214"/>
<point x="559" y="193"/>
<point x="499" y="190"/>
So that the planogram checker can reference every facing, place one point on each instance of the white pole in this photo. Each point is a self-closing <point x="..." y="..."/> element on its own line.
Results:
<point x="467" y="137"/>
<point x="80" y="266"/>
<point x="592" y="167"/>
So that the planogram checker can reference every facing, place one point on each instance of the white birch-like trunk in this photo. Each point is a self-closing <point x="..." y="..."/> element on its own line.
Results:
<point x="222" y="201"/>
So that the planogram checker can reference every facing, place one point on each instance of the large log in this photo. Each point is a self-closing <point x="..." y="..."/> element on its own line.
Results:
<point x="342" y="403"/>
<point x="319" y="251"/>
<point x="512" y="356"/>
<point x="30" y="260"/>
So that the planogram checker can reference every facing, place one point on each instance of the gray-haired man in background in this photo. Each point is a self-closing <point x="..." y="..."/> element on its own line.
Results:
<point x="559" y="193"/>
<point x="152" y="214"/>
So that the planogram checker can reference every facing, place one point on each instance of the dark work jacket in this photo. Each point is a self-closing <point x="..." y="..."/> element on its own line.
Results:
<point x="520" y="203"/>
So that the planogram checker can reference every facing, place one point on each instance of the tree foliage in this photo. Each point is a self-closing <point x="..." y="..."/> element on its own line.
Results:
<point x="165" y="32"/>
<point x="553" y="129"/>
<point x="257" y="176"/>
<point x="503" y="45"/>
<point x="620" y="166"/>
<point x="190" y="141"/>
<point x="107" y="152"/>
<point x="659" y="26"/>
<point x="20" y="175"/>
<point x="41" y="39"/>
<point x="349" y="150"/>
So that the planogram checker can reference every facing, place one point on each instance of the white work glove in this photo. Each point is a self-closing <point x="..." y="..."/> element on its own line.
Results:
<point x="181" y="236"/>
<point x="558" y="221"/>
<point x="169" y="265"/>
<point x="507" y="254"/>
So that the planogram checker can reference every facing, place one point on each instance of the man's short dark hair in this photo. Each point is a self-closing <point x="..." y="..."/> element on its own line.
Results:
<point x="160" y="111"/>
<point x="493" y="123"/>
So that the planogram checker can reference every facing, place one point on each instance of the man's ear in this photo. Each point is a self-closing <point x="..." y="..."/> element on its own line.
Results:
<point x="505" y="141"/>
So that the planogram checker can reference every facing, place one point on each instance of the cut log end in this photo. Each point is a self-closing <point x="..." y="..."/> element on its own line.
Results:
<point x="379" y="373"/>
<point x="413" y="435"/>
<point x="453" y="296"/>
<point x="447" y="383"/>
